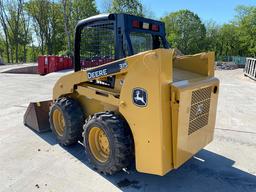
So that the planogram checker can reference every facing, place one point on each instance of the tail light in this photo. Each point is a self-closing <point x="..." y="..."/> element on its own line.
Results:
<point x="144" y="25"/>
<point x="136" y="24"/>
<point x="155" y="27"/>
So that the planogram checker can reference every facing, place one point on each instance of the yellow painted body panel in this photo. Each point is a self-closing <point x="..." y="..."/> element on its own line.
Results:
<point x="150" y="125"/>
<point x="99" y="95"/>
<point x="160" y="129"/>
<point x="185" y="145"/>
<point x="202" y="63"/>
<point x="65" y="84"/>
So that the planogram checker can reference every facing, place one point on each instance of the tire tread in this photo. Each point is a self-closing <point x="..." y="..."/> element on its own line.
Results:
<point x="123" y="142"/>
<point x="74" y="119"/>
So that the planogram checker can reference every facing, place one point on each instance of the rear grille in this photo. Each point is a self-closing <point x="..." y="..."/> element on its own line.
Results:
<point x="201" y="94"/>
<point x="200" y="106"/>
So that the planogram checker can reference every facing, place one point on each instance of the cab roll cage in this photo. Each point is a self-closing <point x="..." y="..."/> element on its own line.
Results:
<point x="122" y="28"/>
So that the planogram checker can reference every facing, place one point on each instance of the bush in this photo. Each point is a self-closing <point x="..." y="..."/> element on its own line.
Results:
<point x="66" y="53"/>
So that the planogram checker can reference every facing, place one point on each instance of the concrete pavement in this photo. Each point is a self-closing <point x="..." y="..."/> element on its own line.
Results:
<point x="33" y="162"/>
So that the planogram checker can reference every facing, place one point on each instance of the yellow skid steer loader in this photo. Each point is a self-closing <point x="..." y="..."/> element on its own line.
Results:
<point x="131" y="97"/>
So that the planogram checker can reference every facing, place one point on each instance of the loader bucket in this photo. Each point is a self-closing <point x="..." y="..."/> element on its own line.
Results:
<point x="37" y="116"/>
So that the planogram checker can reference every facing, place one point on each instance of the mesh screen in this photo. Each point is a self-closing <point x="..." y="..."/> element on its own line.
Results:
<point x="200" y="107"/>
<point x="97" y="45"/>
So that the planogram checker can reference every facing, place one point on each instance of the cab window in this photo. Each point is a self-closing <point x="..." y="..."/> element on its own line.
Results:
<point x="144" y="41"/>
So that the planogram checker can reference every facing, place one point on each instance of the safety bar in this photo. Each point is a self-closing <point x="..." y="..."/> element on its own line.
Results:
<point x="250" y="68"/>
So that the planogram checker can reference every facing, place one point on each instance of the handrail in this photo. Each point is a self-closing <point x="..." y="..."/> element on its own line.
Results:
<point x="250" y="68"/>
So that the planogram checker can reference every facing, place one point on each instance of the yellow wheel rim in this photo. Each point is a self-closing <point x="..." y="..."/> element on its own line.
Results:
<point x="99" y="144"/>
<point x="58" y="122"/>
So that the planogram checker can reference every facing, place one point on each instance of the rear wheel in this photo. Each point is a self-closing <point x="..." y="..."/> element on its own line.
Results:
<point x="66" y="120"/>
<point x="108" y="142"/>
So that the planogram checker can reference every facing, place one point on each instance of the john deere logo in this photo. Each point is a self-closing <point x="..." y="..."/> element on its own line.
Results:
<point x="140" y="97"/>
<point x="200" y="109"/>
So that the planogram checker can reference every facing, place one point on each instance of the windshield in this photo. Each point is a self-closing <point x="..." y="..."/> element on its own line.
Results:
<point x="144" y="42"/>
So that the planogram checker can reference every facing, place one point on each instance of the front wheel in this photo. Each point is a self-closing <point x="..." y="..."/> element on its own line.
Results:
<point x="66" y="120"/>
<point x="108" y="142"/>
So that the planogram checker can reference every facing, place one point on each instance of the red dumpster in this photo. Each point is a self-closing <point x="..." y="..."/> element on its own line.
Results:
<point x="60" y="63"/>
<point x="53" y="63"/>
<point x="67" y="62"/>
<point x="42" y="67"/>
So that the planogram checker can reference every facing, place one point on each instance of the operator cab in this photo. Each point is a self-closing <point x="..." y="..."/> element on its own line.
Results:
<point x="107" y="37"/>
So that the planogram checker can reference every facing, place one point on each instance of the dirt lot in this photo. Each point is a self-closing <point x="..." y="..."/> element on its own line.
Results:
<point x="32" y="162"/>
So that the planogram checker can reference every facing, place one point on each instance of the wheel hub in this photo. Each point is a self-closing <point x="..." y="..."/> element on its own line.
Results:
<point x="58" y="122"/>
<point x="99" y="144"/>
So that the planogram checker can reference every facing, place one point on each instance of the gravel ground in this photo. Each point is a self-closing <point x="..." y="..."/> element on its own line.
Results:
<point x="33" y="162"/>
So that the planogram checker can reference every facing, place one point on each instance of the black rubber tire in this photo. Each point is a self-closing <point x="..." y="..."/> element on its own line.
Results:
<point x="120" y="142"/>
<point x="73" y="117"/>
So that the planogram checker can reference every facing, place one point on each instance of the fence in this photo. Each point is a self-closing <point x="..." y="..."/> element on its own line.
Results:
<point x="240" y="61"/>
<point x="250" y="68"/>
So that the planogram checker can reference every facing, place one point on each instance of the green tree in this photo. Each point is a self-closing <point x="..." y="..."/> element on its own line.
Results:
<point x="229" y="40"/>
<point x="39" y="11"/>
<point x="246" y="22"/>
<point x="67" y="12"/>
<point x="10" y="16"/>
<point x="48" y="24"/>
<point x="1" y="48"/>
<point x="73" y="11"/>
<point x="14" y="11"/>
<point x="83" y="9"/>
<point x="5" y="29"/>
<point x="133" y="7"/>
<point x="185" y="31"/>
<point x="212" y="42"/>
<point x="25" y="36"/>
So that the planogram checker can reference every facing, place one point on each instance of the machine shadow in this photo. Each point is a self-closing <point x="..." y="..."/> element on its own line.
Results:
<point x="207" y="171"/>
<point x="46" y="136"/>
